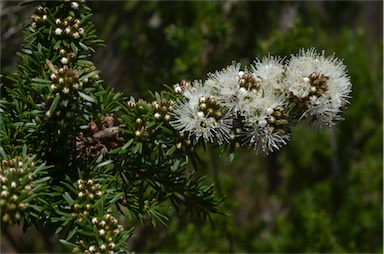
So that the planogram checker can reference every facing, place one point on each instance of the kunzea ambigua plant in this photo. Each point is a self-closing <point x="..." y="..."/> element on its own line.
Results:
<point x="76" y="156"/>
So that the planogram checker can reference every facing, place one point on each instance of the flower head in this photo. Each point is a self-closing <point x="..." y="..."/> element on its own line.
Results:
<point x="226" y="87"/>
<point x="269" y="72"/>
<point x="320" y="84"/>
<point x="200" y="114"/>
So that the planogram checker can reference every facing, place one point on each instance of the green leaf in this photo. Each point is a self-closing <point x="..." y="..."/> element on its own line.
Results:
<point x="55" y="103"/>
<point x="86" y="97"/>
<point x="68" y="198"/>
<point x="171" y="150"/>
<point x="83" y="62"/>
<point x="57" y="45"/>
<point x="104" y="163"/>
<point x="128" y="144"/>
<point x="41" y="81"/>
<point x="138" y="148"/>
<point x="91" y="74"/>
<point x="71" y="233"/>
<point x="67" y="244"/>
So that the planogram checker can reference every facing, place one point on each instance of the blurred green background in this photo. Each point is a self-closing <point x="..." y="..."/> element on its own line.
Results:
<point x="323" y="192"/>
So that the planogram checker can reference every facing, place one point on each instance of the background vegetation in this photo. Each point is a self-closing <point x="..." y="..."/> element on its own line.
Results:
<point x="320" y="193"/>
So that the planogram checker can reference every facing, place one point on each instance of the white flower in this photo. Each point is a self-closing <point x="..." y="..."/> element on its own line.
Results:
<point x="58" y="31"/>
<point x="265" y="138"/>
<point x="200" y="115"/>
<point x="269" y="71"/>
<point x="225" y="85"/>
<point x="321" y="83"/>
<point x="58" y="21"/>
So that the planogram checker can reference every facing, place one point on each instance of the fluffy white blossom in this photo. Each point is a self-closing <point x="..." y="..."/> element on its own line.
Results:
<point x="321" y="84"/>
<point x="200" y="115"/>
<point x="269" y="72"/>
<point x="234" y="88"/>
<point x="266" y="139"/>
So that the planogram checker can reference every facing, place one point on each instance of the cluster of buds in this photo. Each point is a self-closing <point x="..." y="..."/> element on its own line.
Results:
<point x="66" y="57"/>
<point x="184" y="141"/>
<point x="40" y="17"/>
<point x="16" y="177"/>
<point x="69" y="27"/>
<point x="138" y="108"/>
<point x="248" y="81"/>
<point x="141" y="130"/>
<point x="162" y="109"/>
<point x="107" y="229"/>
<point x="88" y="191"/>
<point x="210" y="108"/>
<point x="318" y="85"/>
<point x="65" y="80"/>
<point x="277" y="119"/>
<point x="180" y="87"/>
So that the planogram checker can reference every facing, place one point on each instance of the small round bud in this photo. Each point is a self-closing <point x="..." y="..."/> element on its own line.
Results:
<point x="92" y="248"/>
<point x="65" y="90"/>
<point x="58" y="31"/>
<point x="242" y="90"/>
<point x="262" y="123"/>
<point x="178" y="89"/>
<point x="269" y="111"/>
<point x="75" y="86"/>
<point x="76" y="35"/>
<point x="75" y="5"/>
<point x="64" y="60"/>
<point x="157" y="115"/>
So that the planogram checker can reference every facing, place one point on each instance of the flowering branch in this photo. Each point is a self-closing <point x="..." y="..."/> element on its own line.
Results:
<point x="76" y="155"/>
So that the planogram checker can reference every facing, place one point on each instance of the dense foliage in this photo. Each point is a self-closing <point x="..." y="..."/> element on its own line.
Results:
<point x="106" y="154"/>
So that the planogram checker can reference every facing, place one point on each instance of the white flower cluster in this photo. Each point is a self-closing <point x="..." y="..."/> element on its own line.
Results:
<point x="258" y="107"/>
